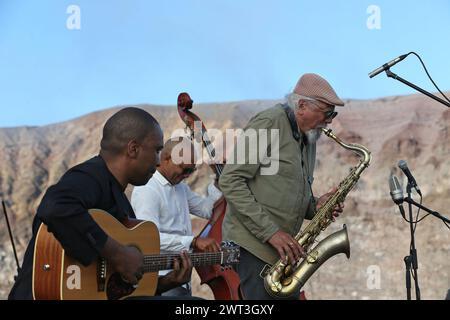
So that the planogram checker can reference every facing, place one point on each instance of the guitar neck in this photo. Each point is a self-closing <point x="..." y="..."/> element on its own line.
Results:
<point x="158" y="262"/>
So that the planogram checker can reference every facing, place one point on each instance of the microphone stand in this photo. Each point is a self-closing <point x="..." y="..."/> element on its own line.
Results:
<point x="390" y="74"/>
<point x="12" y="240"/>
<point x="434" y="213"/>
<point x="411" y="260"/>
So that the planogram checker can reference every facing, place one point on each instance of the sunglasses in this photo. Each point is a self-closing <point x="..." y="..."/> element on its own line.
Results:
<point x="189" y="170"/>
<point x="329" y="115"/>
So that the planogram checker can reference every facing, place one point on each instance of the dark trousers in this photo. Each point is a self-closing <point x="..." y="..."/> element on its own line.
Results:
<point x="252" y="284"/>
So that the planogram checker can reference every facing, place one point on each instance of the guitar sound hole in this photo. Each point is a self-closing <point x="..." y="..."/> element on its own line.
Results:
<point x="117" y="288"/>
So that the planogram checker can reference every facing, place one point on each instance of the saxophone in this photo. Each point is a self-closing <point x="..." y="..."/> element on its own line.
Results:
<point x="283" y="280"/>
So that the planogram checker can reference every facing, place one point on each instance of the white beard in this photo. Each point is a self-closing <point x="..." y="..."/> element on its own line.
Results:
<point x="313" y="135"/>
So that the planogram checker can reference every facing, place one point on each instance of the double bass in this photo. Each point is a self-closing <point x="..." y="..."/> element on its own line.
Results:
<point x="224" y="283"/>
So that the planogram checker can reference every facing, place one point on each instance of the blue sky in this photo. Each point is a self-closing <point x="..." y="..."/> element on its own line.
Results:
<point x="129" y="52"/>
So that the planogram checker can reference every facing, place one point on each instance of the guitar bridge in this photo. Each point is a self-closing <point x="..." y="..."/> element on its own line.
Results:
<point x="101" y="274"/>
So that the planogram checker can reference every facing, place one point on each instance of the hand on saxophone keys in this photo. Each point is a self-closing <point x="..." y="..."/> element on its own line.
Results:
<point x="339" y="207"/>
<point x="288" y="248"/>
<point x="337" y="211"/>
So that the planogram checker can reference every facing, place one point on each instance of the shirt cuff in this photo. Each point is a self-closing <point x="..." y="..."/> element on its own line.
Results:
<point x="268" y="233"/>
<point x="214" y="192"/>
<point x="311" y="210"/>
<point x="186" y="241"/>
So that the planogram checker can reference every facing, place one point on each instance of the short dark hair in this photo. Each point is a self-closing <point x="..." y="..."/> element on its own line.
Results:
<point x="125" y="125"/>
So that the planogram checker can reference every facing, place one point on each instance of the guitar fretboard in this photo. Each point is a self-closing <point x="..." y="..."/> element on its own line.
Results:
<point x="158" y="262"/>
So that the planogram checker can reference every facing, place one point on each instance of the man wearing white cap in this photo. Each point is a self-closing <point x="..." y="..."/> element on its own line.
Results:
<point x="266" y="211"/>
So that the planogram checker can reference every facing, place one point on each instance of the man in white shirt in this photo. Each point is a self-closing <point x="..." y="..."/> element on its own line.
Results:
<point x="167" y="201"/>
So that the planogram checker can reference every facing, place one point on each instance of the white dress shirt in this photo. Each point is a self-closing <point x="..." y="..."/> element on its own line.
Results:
<point x="169" y="206"/>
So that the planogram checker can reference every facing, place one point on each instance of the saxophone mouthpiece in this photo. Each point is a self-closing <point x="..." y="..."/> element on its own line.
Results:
<point x="327" y="131"/>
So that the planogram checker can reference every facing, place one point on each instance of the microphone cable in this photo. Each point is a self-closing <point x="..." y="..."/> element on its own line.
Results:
<point x="425" y="68"/>
<point x="417" y="220"/>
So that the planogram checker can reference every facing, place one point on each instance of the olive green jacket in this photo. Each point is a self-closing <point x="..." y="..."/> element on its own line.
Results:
<point x="261" y="204"/>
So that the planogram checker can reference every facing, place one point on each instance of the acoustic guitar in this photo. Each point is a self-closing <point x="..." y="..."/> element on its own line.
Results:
<point x="57" y="276"/>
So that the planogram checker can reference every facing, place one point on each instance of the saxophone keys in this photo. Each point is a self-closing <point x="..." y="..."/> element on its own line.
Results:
<point x="312" y="257"/>
<point x="286" y="281"/>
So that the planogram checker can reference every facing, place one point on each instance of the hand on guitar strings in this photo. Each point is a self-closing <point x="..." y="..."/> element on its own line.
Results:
<point x="180" y="274"/>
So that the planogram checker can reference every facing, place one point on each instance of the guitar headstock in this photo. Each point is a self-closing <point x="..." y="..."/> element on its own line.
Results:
<point x="231" y="253"/>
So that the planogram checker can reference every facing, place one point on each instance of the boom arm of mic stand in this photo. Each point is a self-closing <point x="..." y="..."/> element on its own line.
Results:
<point x="434" y="213"/>
<point x="390" y="74"/>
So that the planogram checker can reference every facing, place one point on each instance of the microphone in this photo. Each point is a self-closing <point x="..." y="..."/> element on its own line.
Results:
<point x="396" y="190"/>
<point x="404" y="166"/>
<point x="396" y="193"/>
<point x="386" y="66"/>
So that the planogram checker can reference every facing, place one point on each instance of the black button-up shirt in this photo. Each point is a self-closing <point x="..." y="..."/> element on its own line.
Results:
<point x="64" y="209"/>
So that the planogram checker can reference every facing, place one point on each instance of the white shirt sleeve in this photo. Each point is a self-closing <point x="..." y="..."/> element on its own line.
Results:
<point x="147" y="205"/>
<point x="203" y="206"/>
<point x="174" y="242"/>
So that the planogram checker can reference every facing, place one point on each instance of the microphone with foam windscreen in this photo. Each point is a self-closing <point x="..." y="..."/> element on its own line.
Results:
<point x="396" y="193"/>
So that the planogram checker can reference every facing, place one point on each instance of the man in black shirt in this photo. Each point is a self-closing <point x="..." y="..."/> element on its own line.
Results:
<point x="130" y="149"/>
